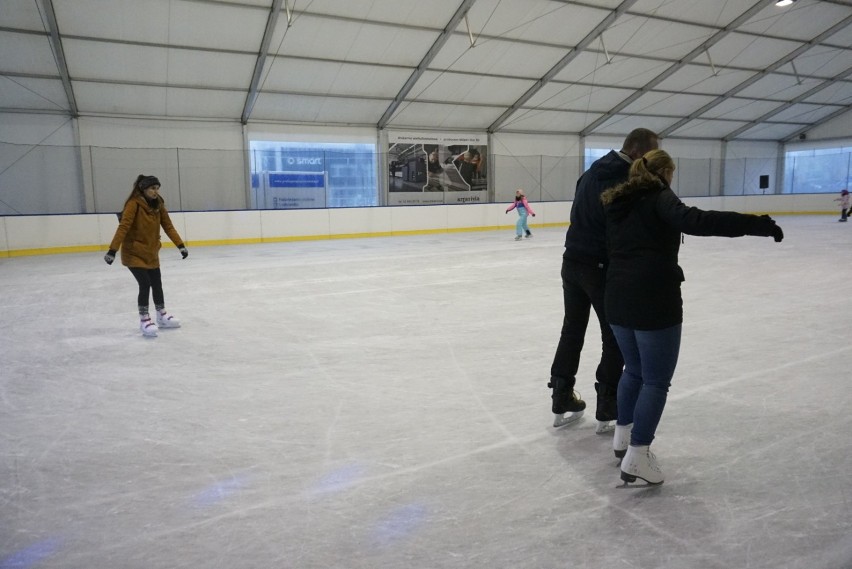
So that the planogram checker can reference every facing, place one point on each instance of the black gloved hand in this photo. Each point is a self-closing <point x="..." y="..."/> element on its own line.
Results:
<point x="777" y="234"/>
<point x="109" y="257"/>
<point x="771" y="229"/>
<point x="183" y="252"/>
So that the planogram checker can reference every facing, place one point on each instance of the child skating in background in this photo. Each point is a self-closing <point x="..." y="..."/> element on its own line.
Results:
<point x="138" y="236"/>
<point x="524" y="209"/>
<point x="844" y="204"/>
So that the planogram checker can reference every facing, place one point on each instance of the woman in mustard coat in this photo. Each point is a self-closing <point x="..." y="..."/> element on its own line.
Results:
<point x="138" y="236"/>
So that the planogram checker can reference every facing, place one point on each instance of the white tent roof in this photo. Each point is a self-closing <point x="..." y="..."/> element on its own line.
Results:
<point x="732" y="69"/>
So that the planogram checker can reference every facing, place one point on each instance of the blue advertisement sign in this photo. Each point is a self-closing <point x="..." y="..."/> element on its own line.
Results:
<point x="297" y="180"/>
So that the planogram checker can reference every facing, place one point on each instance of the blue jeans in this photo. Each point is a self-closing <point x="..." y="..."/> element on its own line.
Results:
<point x="650" y="358"/>
<point x="521" y="227"/>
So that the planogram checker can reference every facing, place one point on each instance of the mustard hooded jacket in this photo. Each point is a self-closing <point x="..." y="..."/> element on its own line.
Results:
<point x="138" y="233"/>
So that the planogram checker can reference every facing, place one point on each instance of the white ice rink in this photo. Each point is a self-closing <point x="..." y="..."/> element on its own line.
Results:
<point x="382" y="403"/>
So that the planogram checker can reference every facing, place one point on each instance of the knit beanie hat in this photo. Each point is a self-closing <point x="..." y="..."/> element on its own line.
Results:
<point x="147" y="182"/>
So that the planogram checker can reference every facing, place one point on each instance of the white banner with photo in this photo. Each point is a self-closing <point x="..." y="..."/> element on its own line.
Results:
<point x="429" y="168"/>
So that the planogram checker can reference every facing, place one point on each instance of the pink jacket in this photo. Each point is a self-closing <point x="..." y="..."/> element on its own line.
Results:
<point x="522" y="202"/>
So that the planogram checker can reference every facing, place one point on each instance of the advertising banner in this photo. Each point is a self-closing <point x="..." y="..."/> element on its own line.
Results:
<point x="428" y="168"/>
<point x="294" y="190"/>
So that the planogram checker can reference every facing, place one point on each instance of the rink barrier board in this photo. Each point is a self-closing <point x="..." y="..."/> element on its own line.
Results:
<point x="180" y="223"/>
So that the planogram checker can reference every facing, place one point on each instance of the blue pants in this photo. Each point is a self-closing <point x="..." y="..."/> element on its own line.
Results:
<point x="650" y="358"/>
<point x="521" y="227"/>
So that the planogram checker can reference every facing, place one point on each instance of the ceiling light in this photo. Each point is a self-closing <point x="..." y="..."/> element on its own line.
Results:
<point x="784" y="2"/>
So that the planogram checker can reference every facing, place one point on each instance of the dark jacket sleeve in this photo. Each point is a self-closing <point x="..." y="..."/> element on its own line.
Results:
<point x="694" y="221"/>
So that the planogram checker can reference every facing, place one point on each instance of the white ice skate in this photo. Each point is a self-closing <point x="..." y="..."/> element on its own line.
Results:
<point x="148" y="327"/>
<point x="604" y="427"/>
<point x="621" y="440"/>
<point x="166" y="320"/>
<point x="640" y="462"/>
<point x="568" y="418"/>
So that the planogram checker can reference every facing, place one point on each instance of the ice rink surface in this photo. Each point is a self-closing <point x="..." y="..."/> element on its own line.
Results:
<point x="382" y="403"/>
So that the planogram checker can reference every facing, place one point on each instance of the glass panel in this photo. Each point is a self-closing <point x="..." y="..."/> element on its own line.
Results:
<point x="292" y="175"/>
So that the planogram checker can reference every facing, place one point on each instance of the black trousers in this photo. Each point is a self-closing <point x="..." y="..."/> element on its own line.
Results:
<point x="150" y="280"/>
<point x="582" y="291"/>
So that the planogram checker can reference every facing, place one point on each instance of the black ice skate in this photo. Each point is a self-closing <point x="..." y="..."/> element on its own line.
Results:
<point x="567" y="405"/>
<point x="607" y="408"/>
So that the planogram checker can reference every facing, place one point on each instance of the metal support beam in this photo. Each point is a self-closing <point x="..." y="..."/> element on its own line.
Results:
<point x="445" y="35"/>
<point x="271" y="21"/>
<point x="563" y="63"/>
<point x="59" y="55"/>
<point x="714" y="39"/>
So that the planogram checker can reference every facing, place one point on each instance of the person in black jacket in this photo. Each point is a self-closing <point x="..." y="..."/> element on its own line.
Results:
<point x="584" y="266"/>
<point x="644" y="223"/>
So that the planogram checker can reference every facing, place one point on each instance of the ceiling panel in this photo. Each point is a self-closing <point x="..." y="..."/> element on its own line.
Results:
<point x="779" y="87"/>
<point x="666" y="104"/>
<point x="165" y="22"/>
<point x="107" y="98"/>
<point x="621" y="72"/>
<point x="716" y="14"/>
<point x="103" y="98"/>
<point x="701" y="128"/>
<point x="533" y="20"/>
<point x="750" y="52"/>
<point x="116" y="62"/>
<point x="803" y="21"/>
<point x="342" y="40"/>
<point x="803" y="113"/>
<point x="324" y="77"/>
<point x="701" y="79"/>
<point x="532" y="120"/>
<point x="452" y="117"/>
<point x="571" y="97"/>
<point x="411" y="12"/>
<point x="32" y="93"/>
<point x="842" y="38"/>
<point x="770" y="132"/>
<point x="658" y="38"/>
<point x="741" y="109"/>
<point x="821" y="61"/>
<point x="620" y="124"/>
<point x="26" y="53"/>
<point x="321" y="110"/>
<point x="839" y="93"/>
<point x="464" y="88"/>
<point x="22" y="15"/>
<point x="497" y="57"/>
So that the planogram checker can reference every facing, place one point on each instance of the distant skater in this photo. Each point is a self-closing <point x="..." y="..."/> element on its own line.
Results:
<point x="844" y="204"/>
<point x="138" y="236"/>
<point x="523" y="208"/>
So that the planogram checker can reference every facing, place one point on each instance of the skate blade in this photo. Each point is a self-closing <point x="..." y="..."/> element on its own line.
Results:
<point x="630" y="481"/>
<point x="560" y="421"/>
<point x="605" y="427"/>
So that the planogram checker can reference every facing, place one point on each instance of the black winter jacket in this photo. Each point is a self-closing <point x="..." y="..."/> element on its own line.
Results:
<point x="585" y="240"/>
<point x="643" y="228"/>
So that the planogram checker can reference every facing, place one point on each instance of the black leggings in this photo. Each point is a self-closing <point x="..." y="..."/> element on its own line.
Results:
<point x="149" y="280"/>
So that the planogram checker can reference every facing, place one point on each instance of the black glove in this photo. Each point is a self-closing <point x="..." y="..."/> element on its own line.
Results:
<point x="109" y="257"/>
<point x="770" y="229"/>
<point x="777" y="234"/>
<point x="183" y="252"/>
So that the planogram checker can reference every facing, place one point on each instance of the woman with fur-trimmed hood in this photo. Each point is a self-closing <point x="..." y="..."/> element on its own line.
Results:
<point x="644" y="307"/>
